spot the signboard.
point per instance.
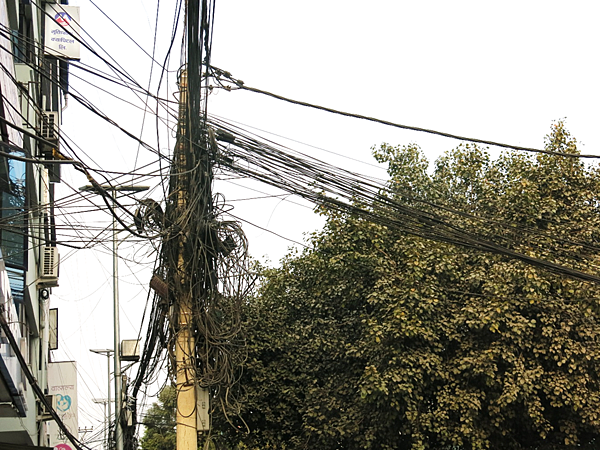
(62, 384)
(62, 31)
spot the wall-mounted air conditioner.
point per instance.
(49, 126)
(49, 130)
(43, 411)
(49, 266)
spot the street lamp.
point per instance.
(105, 401)
(117, 363)
(106, 352)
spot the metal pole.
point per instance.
(117, 341)
(107, 402)
(108, 399)
(117, 338)
(104, 402)
(106, 352)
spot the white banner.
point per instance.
(62, 31)
(62, 384)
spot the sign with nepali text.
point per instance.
(62, 31)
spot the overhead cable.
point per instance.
(34, 384)
(344, 191)
(221, 74)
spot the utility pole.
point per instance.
(190, 253)
(187, 434)
(196, 279)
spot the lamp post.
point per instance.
(117, 352)
(104, 401)
(106, 352)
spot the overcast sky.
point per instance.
(500, 72)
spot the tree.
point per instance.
(160, 422)
(379, 339)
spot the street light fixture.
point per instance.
(117, 363)
(105, 401)
(106, 352)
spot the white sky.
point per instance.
(501, 73)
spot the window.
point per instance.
(13, 222)
(23, 41)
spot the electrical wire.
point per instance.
(345, 191)
(222, 74)
(34, 385)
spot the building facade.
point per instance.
(32, 88)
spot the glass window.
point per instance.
(16, 278)
(13, 219)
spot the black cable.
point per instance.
(218, 73)
(343, 191)
(269, 231)
(229, 133)
(34, 385)
(136, 88)
(95, 110)
(82, 41)
(79, 166)
(88, 105)
(34, 136)
(128, 36)
(31, 160)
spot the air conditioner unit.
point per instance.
(44, 413)
(49, 126)
(49, 266)
(49, 130)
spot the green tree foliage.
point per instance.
(375, 339)
(160, 422)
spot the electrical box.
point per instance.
(202, 409)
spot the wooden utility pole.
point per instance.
(185, 370)
(191, 250)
